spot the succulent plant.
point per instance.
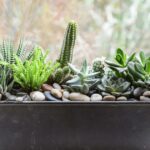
(83, 80)
(139, 71)
(122, 61)
(61, 75)
(68, 44)
(32, 73)
(98, 66)
(8, 52)
(115, 86)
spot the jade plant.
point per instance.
(121, 62)
(83, 80)
(32, 73)
(139, 71)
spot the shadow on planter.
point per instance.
(75, 126)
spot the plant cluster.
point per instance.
(118, 78)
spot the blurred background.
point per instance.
(104, 25)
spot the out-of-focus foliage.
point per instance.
(104, 24)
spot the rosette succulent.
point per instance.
(115, 86)
(83, 80)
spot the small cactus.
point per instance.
(98, 66)
(68, 44)
(60, 75)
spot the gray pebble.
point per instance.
(146, 93)
(96, 97)
(66, 94)
(122, 98)
(143, 98)
(57, 86)
(0, 96)
(109, 98)
(65, 99)
(49, 97)
(37, 96)
(56, 93)
(10, 97)
(78, 97)
(138, 92)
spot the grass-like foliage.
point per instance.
(32, 73)
(8, 51)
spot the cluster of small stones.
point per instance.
(56, 93)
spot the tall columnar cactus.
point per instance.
(68, 44)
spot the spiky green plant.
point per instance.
(60, 75)
(8, 51)
(83, 80)
(139, 71)
(7, 54)
(68, 44)
(32, 73)
(115, 86)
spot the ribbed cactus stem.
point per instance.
(58, 75)
(68, 44)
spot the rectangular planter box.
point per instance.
(75, 126)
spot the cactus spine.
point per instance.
(68, 44)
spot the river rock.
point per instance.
(49, 97)
(37, 96)
(96, 97)
(78, 97)
(138, 92)
(109, 98)
(23, 98)
(56, 93)
(146, 93)
(0, 96)
(144, 98)
(10, 97)
(57, 86)
(46, 87)
(65, 99)
(66, 94)
(122, 98)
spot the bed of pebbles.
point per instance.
(56, 93)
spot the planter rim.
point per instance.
(76, 102)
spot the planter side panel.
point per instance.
(74, 127)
